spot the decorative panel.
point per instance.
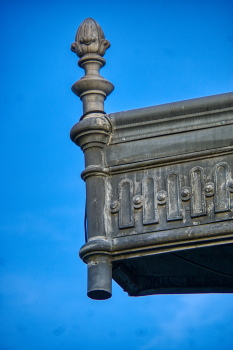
(171, 197)
(198, 200)
(222, 195)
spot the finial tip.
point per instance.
(90, 39)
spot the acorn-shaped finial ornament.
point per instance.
(90, 39)
(90, 45)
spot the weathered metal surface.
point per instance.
(202, 270)
(91, 134)
(178, 195)
(159, 187)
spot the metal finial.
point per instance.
(90, 39)
(90, 45)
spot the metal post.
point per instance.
(91, 134)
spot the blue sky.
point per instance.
(161, 51)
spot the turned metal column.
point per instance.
(92, 133)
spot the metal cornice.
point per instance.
(168, 110)
(171, 118)
(117, 169)
(172, 240)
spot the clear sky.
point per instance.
(161, 51)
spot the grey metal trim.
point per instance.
(170, 240)
(194, 114)
(186, 157)
(174, 109)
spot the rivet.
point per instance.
(123, 139)
(223, 122)
(161, 196)
(209, 188)
(185, 192)
(137, 200)
(113, 205)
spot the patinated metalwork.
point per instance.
(159, 187)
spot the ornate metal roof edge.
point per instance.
(173, 109)
(122, 220)
(163, 241)
(169, 160)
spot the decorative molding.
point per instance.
(126, 210)
(94, 170)
(198, 199)
(172, 240)
(172, 196)
(94, 247)
(91, 130)
(174, 208)
(150, 205)
(180, 158)
(222, 179)
(166, 119)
